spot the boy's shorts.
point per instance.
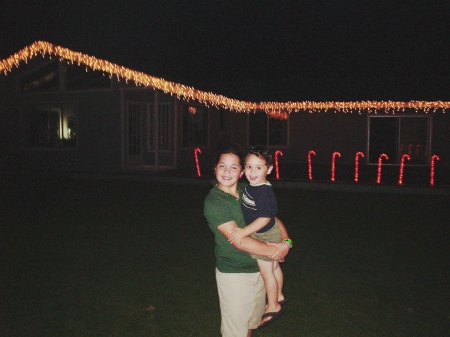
(272, 235)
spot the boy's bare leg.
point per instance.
(280, 279)
(271, 285)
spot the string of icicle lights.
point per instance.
(275, 109)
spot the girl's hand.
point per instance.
(281, 251)
(236, 236)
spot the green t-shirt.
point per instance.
(221, 207)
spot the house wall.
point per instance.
(441, 147)
(101, 138)
(98, 121)
(10, 140)
(98, 134)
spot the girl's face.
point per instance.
(228, 170)
(256, 169)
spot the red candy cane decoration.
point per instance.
(433, 158)
(379, 166)
(358, 154)
(402, 165)
(333, 164)
(309, 164)
(196, 152)
(277, 173)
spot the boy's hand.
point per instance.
(236, 236)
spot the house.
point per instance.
(67, 111)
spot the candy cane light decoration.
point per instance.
(418, 146)
(196, 152)
(402, 165)
(358, 154)
(310, 153)
(333, 164)
(277, 172)
(433, 158)
(380, 159)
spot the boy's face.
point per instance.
(256, 169)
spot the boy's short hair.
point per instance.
(263, 153)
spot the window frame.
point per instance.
(399, 150)
(61, 107)
(154, 127)
(268, 133)
(205, 125)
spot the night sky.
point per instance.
(255, 50)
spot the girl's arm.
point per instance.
(275, 251)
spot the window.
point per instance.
(163, 134)
(134, 129)
(45, 78)
(224, 120)
(195, 125)
(51, 125)
(60, 75)
(79, 78)
(395, 136)
(267, 131)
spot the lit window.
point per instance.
(51, 125)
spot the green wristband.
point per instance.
(288, 241)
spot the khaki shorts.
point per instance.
(272, 235)
(242, 299)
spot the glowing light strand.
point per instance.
(279, 110)
(433, 158)
(402, 165)
(380, 159)
(358, 154)
(310, 153)
(277, 172)
(333, 164)
(197, 165)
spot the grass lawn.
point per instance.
(84, 257)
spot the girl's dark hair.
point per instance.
(232, 148)
(263, 153)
